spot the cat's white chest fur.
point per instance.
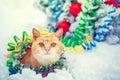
(46, 59)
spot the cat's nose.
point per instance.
(47, 49)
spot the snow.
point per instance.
(101, 63)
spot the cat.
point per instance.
(45, 49)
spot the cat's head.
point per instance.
(47, 48)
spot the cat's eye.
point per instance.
(41, 44)
(53, 44)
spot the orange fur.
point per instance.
(40, 54)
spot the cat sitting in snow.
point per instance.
(45, 49)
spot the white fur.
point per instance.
(46, 58)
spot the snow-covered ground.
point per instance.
(102, 63)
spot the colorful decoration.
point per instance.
(55, 8)
(115, 3)
(104, 28)
(44, 71)
(75, 9)
(85, 19)
(83, 30)
(64, 25)
(84, 15)
(19, 48)
(17, 52)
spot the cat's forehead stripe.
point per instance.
(46, 36)
(47, 40)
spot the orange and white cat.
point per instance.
(46, 49)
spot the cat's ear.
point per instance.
(35, 33)
(59, 33)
